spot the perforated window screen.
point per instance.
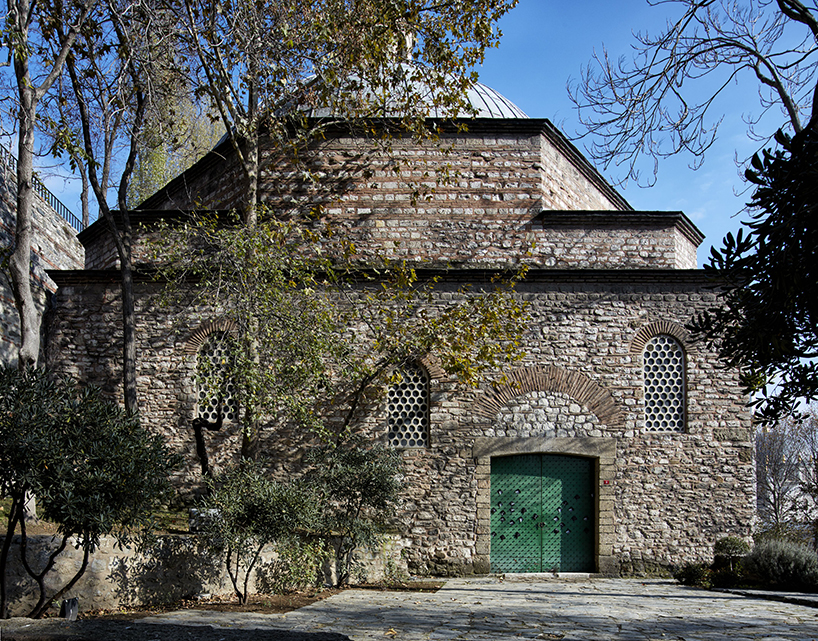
(664, 368)
(213, 379)
(408, 409)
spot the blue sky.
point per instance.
(546, 42)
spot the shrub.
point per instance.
(694, 574)
(728, 553)
(93, 469)
(247, 510)
(359, 488)
(726, 577)
(297, 566)
(783, 564)
(731, 547)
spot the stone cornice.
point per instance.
(551, 218)
(646, 277)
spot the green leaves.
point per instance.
(768, 275)
(246, 510)
(312, 326)
(93, 469)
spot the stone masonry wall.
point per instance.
(553, 239)
(170, 569)
(670, 495)
(55, 246)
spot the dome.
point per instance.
(486, 102)
(492, 104)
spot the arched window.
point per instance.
(214, 368)
(664, 368)
(408, 409)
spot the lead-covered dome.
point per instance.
(486, 102)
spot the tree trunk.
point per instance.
(20, 260)
(14, 517)
(128, 326)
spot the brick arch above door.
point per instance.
(549, 378)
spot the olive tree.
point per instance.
(94, 470)
(244, 511)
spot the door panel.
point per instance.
(542, 513)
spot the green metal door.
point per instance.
(542, 513)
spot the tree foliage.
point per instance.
(37, 66)
(93, 469)
(344, 501)
(649, 106)
(257, 62)
(769, 279)
(245, 510)
(313, 327)
(359, 487)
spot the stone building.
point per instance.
(55, 247)
(618, 446)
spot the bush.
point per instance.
(783, 565)
(93, 469)
(731, 547)
(297, 566)
(726, 577)
(694, 574)
(728, 553)
(246, 510)
(359, 488)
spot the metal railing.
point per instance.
(9, 162)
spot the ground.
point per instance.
(117, 625)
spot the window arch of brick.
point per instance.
(216, 401)
(647, 332)
(407, 408)
(199, 335)
(549, 378)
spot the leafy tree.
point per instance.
(117, 71)
(245, 510)
(176, 134)
(315, 329)
(645, 106)
(36, 68)
(266, 70)
(769, 281)
(94, 470)
(257, 62)
(359, 487)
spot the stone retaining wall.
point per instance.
(55, 246)
(174, 568)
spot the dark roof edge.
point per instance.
(475, 125)
(145, 217)
(647, 277)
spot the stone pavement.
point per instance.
(529, 607)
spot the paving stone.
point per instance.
(535, 608)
